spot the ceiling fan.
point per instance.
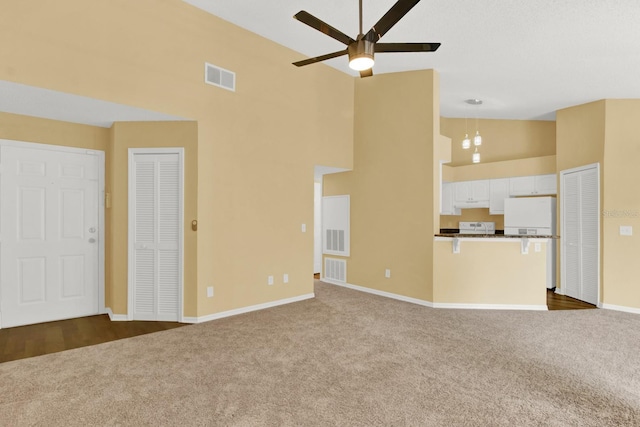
(362, 49)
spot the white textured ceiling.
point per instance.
(524, 58)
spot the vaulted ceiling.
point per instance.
(524, 58)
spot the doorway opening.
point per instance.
(319, 172)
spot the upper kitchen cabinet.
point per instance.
(499, 190)
(537, 185)
(472, 194)
(446, 203)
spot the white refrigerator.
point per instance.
(534, 216)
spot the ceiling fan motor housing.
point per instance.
(361, 49)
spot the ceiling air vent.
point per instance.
(220, 77)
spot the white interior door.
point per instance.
(581, 233)
(155, 234)
(49, 222)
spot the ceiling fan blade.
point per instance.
(390, 19)
(320, 58)
(323, 27)
(366, 73)
(406, 47)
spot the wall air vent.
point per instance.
(335, 269)
(220, 77)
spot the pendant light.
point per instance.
(477, 140)
(476, 156)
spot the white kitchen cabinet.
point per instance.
(536, 185)
(498, 191)
(469, 194)
(546, 184)
(446, 206)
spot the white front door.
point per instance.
(155, 234)
(49, 220)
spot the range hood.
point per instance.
(470, 204)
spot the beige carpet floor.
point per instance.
(344, 358)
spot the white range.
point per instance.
(478, 227)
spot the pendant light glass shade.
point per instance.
(477, 140)
(466, 142)
(476, 157)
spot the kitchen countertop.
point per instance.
(493, 236)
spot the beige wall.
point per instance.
(392, 183)
(43, 131)
(621, 204)
(256, 146)
(501, 139)
(580, 135)
(503, 169)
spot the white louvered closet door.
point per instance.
(157, 237)
(580, 234)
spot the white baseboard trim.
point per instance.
(116, 317)
(620, 308)
(249, 309)
(491, 306)
(380, 293)
(436, 304)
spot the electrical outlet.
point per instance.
(285, 278)
(270, 280)
(626, 230)
(387, 273)
(537, 247)
(209, 291)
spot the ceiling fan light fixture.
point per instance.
(361, 55)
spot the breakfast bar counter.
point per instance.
(490, 271)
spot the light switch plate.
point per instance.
(304, 228)
(387, 273)
(285, 278)
(270, 280)
(209, 291)
(626, 230)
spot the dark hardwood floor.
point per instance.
(562, 302)
(44, 338)
(34, 340)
